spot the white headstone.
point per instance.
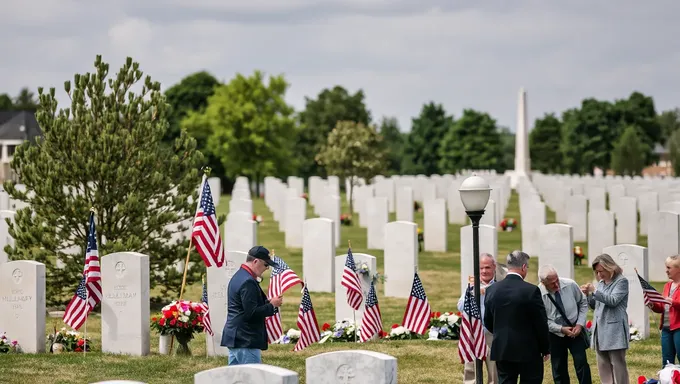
(376, 207)
(435, 225)
(22, 303)
(296, 212)
(5, 237)
(533, 217)
(240, 232)
(330, 209)
(126, 304)
(600, 232)
(351, 366)
(318, 254)
(489, 217)
(557, 248)
(404, 204)
(577, 208)
(241, 205)
(218, 281)
(247, 374)
(401, 257)
(342, 309)
(488, 243)
(663, 241)
(629, 257)
(625, 211)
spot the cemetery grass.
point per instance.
(419, 361)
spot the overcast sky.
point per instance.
(403, 53)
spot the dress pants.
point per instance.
(559, 359)
(528, 372)
(492, 374)
(612, 366)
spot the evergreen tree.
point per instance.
(628, 156)
(104, 151)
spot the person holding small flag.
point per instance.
(244, 332)
(611, 337)
(668, 306)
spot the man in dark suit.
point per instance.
(516, 316)
(244, 331)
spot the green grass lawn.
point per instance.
(418, 361)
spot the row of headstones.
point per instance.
(555, 246)
(350, 366)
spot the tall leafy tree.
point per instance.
(104, 151)
(353, 151)
(393, 140)
(674, 151)
(507, 149)
(422, 145)
(248, 126)
(628, 156)
(25, 100)
(544, 144)
(639, 111)
(319, 117)
(190, 94)
(6, 103)
(669, 122)
(473, 142)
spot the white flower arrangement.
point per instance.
(363, 269)
(290, 337)
(634, 334)
(399, 332)
(342, 331)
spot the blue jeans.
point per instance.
(670, 346)
(244, 356)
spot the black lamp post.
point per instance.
(474, 193)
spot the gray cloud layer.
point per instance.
(402, 53)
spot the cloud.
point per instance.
(402, 53)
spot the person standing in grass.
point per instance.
(611, 335)
(487, 268)
(244, 332)
(670, 313)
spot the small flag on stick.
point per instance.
(650, 294)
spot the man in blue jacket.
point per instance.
(244, 331)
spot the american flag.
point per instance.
(306, 322)
(650, 294)
(417, 315)
(371, 322)
(206, 232)
(282, 278)
(206, 311)
(472, 343)
(89, 291)
(350, 280)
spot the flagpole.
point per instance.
(354, 312)
(87, 302)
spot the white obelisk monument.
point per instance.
(522, 161)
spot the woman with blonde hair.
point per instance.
(670, 313)
(610, 321)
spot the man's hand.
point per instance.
(566, 331)
(276, 301)
(669, 300)
(546, 357)
(576, 330)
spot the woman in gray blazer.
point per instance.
(610, 326)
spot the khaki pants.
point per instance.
(612, 366)
(491, 373)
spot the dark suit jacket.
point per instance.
(248, 306)
(515, 315)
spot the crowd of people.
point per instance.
(526, 325)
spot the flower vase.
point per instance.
(182, 346)
(164, 344)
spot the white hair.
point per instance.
(545, 271)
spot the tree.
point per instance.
(25, 101)
(423, 142)
(248, 126)
(104, 151)
(628, 157)
(544, 144)
(393, 141)
(473, 142)
(674, 151)
(6, 102)
(190, 94)
(669, 122)
(353, 150)
(507, 149)
(319, 117)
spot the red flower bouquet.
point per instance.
(180, 318)
(508, 224)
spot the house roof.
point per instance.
(660, 149)
(11, 123)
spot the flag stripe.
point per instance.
(205, 234)
(417, 314)
(472, 342)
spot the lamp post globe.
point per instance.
(474, 193)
